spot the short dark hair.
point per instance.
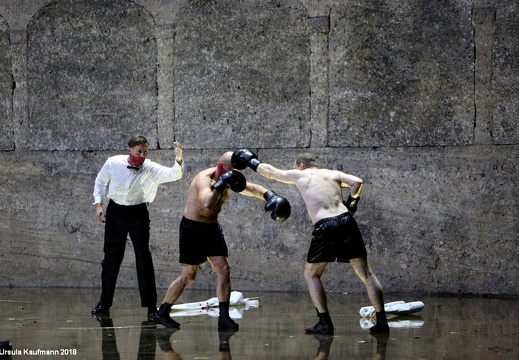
(307, 159)
(137, 140)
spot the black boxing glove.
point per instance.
(231, 179)
(244, 157)
(278, 205)
(351, 204)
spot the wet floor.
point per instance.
(56, 324)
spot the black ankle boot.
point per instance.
(100, 309)
(151, 312)
(224, 320)
(226, 323)
(324, 326)
(162, 316)
(381, 326)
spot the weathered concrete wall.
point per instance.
(398, 70)
(418, 98)
(241, 74)
(92, 74)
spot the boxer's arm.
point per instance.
(278, 206)
(205, 194)
(352, 182)
(232, 179)
(284, 176)
(254, 190)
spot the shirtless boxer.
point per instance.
(201, 237)
(336, 236)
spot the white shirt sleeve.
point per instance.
(161, 174)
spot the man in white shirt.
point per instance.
(130, 182)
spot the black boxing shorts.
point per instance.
(198, 240)
(336, 238)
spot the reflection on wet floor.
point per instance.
(40, 322)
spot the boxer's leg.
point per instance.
(374, 289)
(222, 269)
(223, 291)
(175, 289)
(313, 273)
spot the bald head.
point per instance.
(225, 160)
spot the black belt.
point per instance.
(127, 206)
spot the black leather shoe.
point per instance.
(151, 313)
(320, 328)
(100, 310)
(164, 319)
(226, 323)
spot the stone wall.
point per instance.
(418, 98)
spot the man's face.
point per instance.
(138, 154)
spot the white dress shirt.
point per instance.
(132, 187)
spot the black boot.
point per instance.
(324, 326)
(151, 312)
(224, 320)
(381, 326)
(100, 309)
(162, 316)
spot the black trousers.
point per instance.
(120, 221)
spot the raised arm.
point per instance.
(179, 150)
(284, 176)
(352, 182)
(245, 157)
(203, 192)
